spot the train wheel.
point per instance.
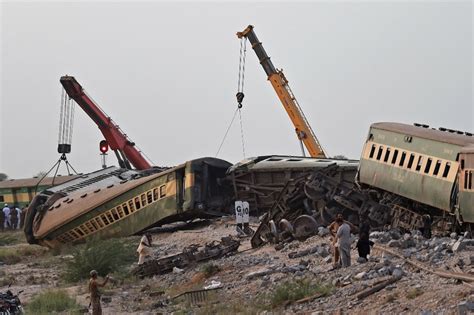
(305, 226)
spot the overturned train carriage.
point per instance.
(118, 202)
(421, 171)
(260, 180)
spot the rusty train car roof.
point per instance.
(426, 133)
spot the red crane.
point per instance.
(124, 148)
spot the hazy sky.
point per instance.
(167, 74)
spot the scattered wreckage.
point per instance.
(190, 255)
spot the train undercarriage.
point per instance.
(310, 202)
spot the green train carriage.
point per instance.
(117, 202)
(422, 165)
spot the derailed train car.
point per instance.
(423, 172)
(119, 202)
(260, 180)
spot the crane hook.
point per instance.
(240, 97)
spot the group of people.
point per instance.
(341, 233)
(12, 217)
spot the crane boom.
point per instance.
(286, 96)
(118, 141)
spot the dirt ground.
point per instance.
(251, 275)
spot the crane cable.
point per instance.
(66, 119)
(240, 96)
(240, 87)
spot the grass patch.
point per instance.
(105, 256)
(210, 269)
(391, 298)
(53, 301)
(15, 254)
(413, 293)
(291, 291)
(12, 238)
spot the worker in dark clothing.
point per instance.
(364, 225)
(14, 218)
(363, 245)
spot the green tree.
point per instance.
(3, 176)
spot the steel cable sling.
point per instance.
(240, 96)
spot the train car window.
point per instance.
(466, 179)
(470, 180)
(149, 196)
(1, 198)
(105, 219)
(125, 208)
(428, 165)
(394, 157)
(372, 151)
(420, 162)
(162, 191)
(99, 222)
(120, 211)
(462, 164)
(138, 205)
(115, 214)
(402, 159)
(155, 194)
(379, 153)
(437, 167)
(131, 205)
(446, 169)
(387, 155)
(144, 200)
(410, 160)
(109, 216)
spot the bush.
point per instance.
(210, 269)
(15, 254)
(291, 291)
(52, 301)
(105, 256)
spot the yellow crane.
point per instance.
(279, 82)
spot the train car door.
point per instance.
(180, 188)
(466, 184)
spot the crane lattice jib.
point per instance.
(116, 138)
(303, 130)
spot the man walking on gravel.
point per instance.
(344, 242)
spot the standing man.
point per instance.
(6, 213)
(14, 217)
(95, 293)
(144, 248)
(333, 228)
(344, 242)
